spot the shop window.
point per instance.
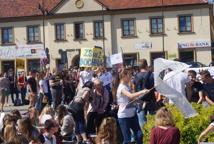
(130, 59)
(34, 65)
(186, 56)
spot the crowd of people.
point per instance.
(83, 106)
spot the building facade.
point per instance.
(171, 29)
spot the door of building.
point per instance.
(186, 56)
(154, 55)
(6, 65)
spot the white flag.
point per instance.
(162, 84)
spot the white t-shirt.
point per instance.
(52, 141)
(44, 85)
(84, 77)
(122, 101)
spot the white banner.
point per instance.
(22, 51)
(164, 83)
(116, 58)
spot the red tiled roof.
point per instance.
(20, 8)
(131, 4)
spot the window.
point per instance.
(185, 24)
(79, 31)
(128, 28)
(156, 25)
(7, 35)
(60, 32)
(98, 29)
(33, 34)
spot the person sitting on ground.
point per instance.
(66, 122)
(164, 131)
(50, 129)
(47, 113)
(107, 133)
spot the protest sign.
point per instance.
(116, 58)
(91, 57)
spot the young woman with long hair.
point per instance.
(127, 116)
(107, 133)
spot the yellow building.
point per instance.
(143, 29)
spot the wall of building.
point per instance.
(201, 26)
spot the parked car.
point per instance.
(196, 64)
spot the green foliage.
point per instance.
(190, 128)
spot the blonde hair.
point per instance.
(47, 110)
(9, 132)
(107, 131)
(164, 117)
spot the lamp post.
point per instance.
(162, 15)
(103, 36)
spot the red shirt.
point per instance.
(170, 135)
(21, 81)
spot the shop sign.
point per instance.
(194, 44)
(22, 51)
(91, 57)
(143, 45)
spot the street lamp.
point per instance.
(162, 15)
(42, 9)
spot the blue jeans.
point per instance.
(142, 118)
(128, 124)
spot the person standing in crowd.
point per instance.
(97, 107)
(107, 133)
(85, 76)
(164, 131)
(13, 86)
(78, 107)
(4, 85)
(208, 84)
(56, 88)
(194, 89)
(67, 89)
(22, 86)
(43, 91)
(32, 88)
(47, 79)
(127, 116)
(144, 79)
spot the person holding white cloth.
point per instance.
(127, 116)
